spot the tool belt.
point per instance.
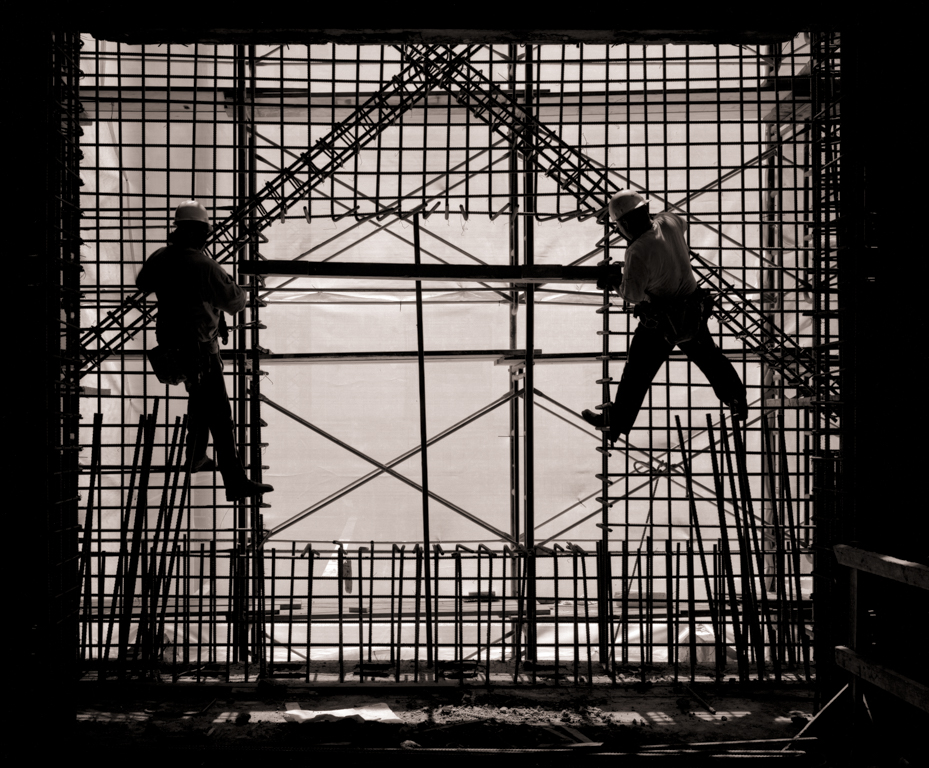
(680, 319)
(179, 364)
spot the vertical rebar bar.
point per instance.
(691, 611)
(86, 536)
(340, 554)
(418, 552)
(423, 436)
(740, 647)
(399, 651)
(529, 389)
(756, 544)
(749, 599)
(118, 593)
(136, 541)
(310, 574)
(695, 523)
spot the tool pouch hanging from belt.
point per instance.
(679, 319)
(173, 364)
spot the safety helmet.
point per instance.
(625, 201)
(191, 210)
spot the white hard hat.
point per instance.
(191, 210)
(625, 201)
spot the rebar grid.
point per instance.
(349, 143)
(364, 613)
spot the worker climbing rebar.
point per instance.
(657, 278)
(193, 291)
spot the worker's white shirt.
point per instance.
(658, 262)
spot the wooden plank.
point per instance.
(902, 687)
(914, 574)
(536, 273)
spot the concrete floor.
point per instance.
(190, 721)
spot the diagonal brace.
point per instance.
(385, 468)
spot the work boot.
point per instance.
(596, 421)
(206, 464)
(739, 409)
(246, 488)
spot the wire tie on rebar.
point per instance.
(588, 215)
(365, 217)
(387, 211)
(495, 215)
(427, 214)
(412, 212)
(352, 212)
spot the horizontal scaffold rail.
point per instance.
(538, 273)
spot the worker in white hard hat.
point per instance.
(192, 292)
(657, 278)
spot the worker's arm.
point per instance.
(635, 279)
(143, 282)
(681, 222)
(147, 279)
(221, 290)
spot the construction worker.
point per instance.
(672, 311)
(193, 291)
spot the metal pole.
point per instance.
(241, 605)
(514, 311)
(423, 436)
(250, 394)
(528, 247)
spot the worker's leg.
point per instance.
(218, 413)
(648, 351)
(726, 383)
(198, 426)
(216, 401)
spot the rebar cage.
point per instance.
(518, 547)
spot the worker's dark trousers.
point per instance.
(209, 412)
(648, 352)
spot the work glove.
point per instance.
(223, 328)
(612, 277)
